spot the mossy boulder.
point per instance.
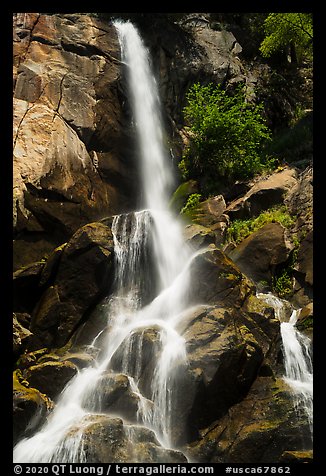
(181, 194)
(30, 358)
(50, 377)
(260, 253)
(305, 318)
(210, 214)
(216, 279)
(223, 358)
(30, 407)
(259, 429)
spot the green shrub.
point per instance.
(282, 285)
(292, 31)
(226, 135)
(240, 229)
(192, 201)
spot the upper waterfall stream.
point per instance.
(150, 235)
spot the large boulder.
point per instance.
(115, 395)
(258, 255)
(30, 408)
(264, 193)
(144, 344)
(108, 440)
(50, 378)
(210, 214)
(84, 274)
(198, 236)
(260, 429)
(225, 349)
(215, 278)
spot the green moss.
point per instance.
(236, 278)
(181, 195)
(19, 383)
(30, 358)
(22, 388)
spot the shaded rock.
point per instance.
(23, 339)
(216, 278)
(115, 395)
(264, 194)
(300, 202)
(50, 377)
(30, 407)
(303, 274)
(259, 253)
(107, 440)
(20, 336)
(145, 345)
(223, 358)
(50, 311)
(26, 287)
(51, 266)
(83, 275)
(257, 430)
(304, 264)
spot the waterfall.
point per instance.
(298, 366)
(150, 289)
(296, 348)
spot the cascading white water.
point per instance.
(298, 366)
(153, 231)
(296, 349)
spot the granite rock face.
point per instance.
(72, 144)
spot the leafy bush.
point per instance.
(192, 201)
(282, 285)
(240, 229)
(288, 31)
(226, 135)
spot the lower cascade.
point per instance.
(296, 348)
(61, 438)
